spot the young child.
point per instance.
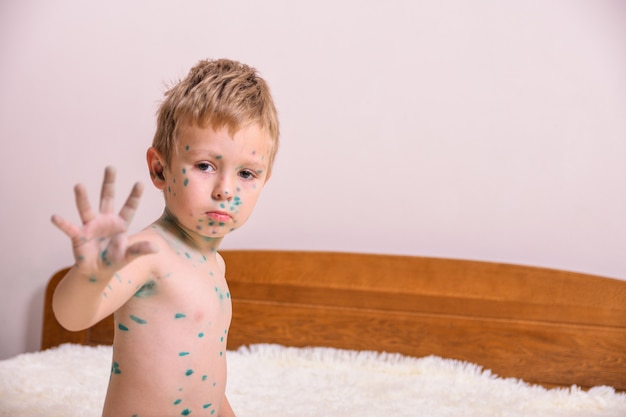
(212, 154)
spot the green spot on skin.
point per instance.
(189, 372)
(184, 170)
(186, 147)
(93, 279)
(137, 319)
(201, 335)
(186, 182)
(122, 327)
(178, 401)
(206, 405)
(115, 368)
(118, 277)
(219, 156)
(185, 412)
(204, 377)
(179, 316)
(183, 354)
(103, 257)
(146, 290)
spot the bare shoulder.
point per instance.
(220, 263)
(148, 265)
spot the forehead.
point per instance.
(251, 138)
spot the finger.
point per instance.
(82, 204)
(107, 194)
(66, 227)
(132, 202)
(139, 249)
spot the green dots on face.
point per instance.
(189, 372)
(200, 335)
(178, 401)
(183, 354)
(185, 412)
(179, 316)
(186, 182)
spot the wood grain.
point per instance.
(544, 326)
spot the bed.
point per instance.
(558, 336)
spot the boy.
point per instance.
(217, 134)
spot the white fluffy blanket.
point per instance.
(271, 380)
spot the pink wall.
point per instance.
(485, 130)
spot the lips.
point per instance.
(218, 216)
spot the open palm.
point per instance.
(100, 244)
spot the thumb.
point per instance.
(139, 249)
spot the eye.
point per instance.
(247, 174)
(205, 167)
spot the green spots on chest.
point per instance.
(146, 290)
(179, 316)
(183, 354)
(189, 372)
(185, 412)
(137, 320)
(122, 327)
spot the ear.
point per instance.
(156, 166)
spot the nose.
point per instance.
(222, 190)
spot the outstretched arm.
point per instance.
(100, 247)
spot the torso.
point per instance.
(170, 339)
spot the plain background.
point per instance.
(486, 129)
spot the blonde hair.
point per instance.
(216, 93)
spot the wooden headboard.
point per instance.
(545, 326)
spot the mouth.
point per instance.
(218, 216)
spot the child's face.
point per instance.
(214, 179)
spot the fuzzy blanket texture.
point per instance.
(272, 380)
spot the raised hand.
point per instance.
(100, 245)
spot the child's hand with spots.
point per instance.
(100, 246)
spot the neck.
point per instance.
(204, 244)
